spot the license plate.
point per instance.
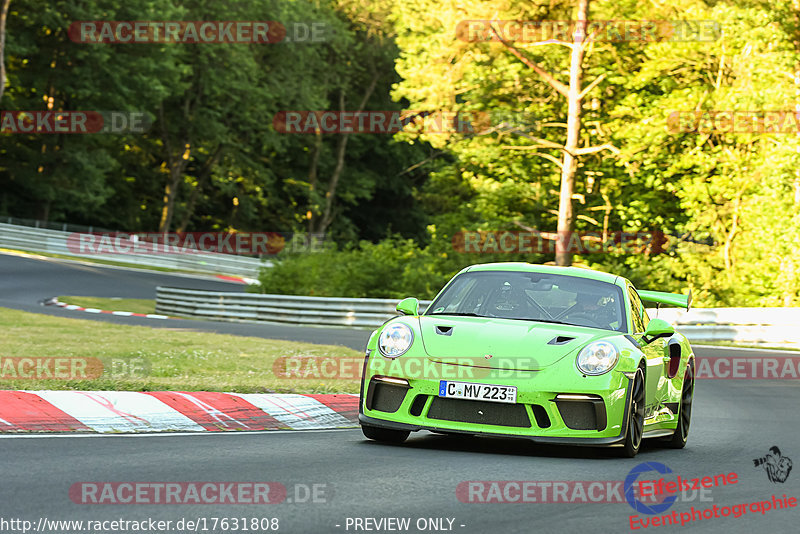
(484, 392)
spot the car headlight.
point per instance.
(395, 340)
(597, 358)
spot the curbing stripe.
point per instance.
(172, 411)
(55, 302)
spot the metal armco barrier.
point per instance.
(774, 326)
(290, 309)
(742, 325)
(55, 242)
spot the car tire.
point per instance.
(635, 423)
(386, 435)
(678, 439)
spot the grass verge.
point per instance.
(138, 358)
(113, 304)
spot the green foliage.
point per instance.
(213, 149)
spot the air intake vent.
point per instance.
(560, 340)
(385, 397)
(480, 412)
(418, 405)
(444, 330)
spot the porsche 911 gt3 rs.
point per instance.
(560, 355)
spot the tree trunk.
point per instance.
(202, 178)
(312, 180)
(3, 17)
(341, 149)
(569, 166)
(176, 165)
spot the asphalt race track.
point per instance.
(734, 422)
(25, 282)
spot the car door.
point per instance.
(655, 351)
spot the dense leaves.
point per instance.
(212, 160)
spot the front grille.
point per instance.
(385, 397)
(480, 412)
(583, 415)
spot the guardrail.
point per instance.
(742, 325)
(289, 309)
(56, 242)
(757, 326)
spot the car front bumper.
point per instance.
(554, 405)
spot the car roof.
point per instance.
(579, 272)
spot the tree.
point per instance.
(3, 17)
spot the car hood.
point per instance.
(501, 343)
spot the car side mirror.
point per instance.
(408, 306)
(657, 328)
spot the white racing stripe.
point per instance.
(119, 411)
(297, 411)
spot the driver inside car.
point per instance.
(511, 302)
(590, 310)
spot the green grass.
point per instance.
(172, 359)
(113, 304)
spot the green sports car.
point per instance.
(553, 354)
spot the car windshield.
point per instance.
(543, 297)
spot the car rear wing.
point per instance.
(668, 299)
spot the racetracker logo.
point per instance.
(71, 368)
(409, 367)
(199, 493)
(560, 491)
(391, 122)
(177, 492)
(50, 368)
(192, 32)
(237, 243)
(535, 242)
(740, 367)
(613, 31)
(734, 122)
(74, 122)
